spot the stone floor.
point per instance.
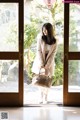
(32, 94)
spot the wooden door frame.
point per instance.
(66, 46)
(69, 98)
(15, 99)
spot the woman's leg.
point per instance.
(45, 95)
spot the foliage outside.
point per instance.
(30, 36)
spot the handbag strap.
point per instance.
(40, 71)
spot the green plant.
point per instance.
(58, 75)
(30, 33)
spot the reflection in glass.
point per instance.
(9, 75)
(9, 27)
(74, 29)
(74, 76)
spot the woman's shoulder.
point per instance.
(56, 40)
(56, 43)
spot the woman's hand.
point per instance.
(46, 67)
(42, 67)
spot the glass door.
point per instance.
(72, 54)
(11, 52)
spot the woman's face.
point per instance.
(45, 31)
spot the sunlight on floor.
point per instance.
(43, 113)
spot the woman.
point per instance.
(46, 50)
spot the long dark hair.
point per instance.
(49, 39)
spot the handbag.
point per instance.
(43, 80)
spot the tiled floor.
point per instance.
(43, 113)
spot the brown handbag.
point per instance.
(43, 80)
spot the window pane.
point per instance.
(74, 76)
(9, 75)
(74, 29)
(9, 27)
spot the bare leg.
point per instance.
(45, 95)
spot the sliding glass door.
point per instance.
(72, 54)
(11, 52)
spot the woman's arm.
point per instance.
(39, 52)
